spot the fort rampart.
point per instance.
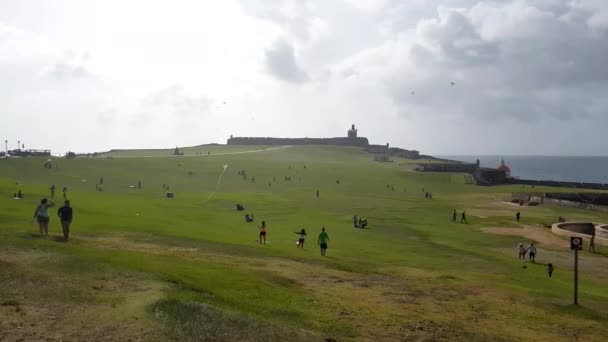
(359, 141)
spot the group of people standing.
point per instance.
(463, 216)
(358, 222)
(65, 213)
(323, 239)
(263, 231)
(530, 250)
(64, 191)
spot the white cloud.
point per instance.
(296, 18)
(281, 62)
(522, 70)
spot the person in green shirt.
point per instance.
(323, 239)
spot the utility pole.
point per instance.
(576, 244)
(6, 147)
(575, 277)
(18, 144)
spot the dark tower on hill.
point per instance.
(352, 132)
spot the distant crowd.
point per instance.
(65, 214)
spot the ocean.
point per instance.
(556, 168)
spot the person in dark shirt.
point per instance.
(65, 214)
(463, 217)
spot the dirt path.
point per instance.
(553, 249)
(542, 235)
(207, 155)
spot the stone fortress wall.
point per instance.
(351, 139)
(357, 141)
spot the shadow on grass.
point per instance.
(30, 236)
(600, 253)
(191, 321)
(59, 239)
(580, 311)
(37, 236)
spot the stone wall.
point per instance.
(582, 197)
(584, 230)
(377, 149)
(527, 197)
(576, 185)
(359, 142)
(447, 167)
(401, 153)
(601, 231)
(393, 151)
(578, 205)
(487, 176)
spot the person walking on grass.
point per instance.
(521, 251)
(518, 216)
(41, 214)
(454, 216)
(262, 229)
(53, 191)
(532, 252)
(463, 217)
(302, 238)
(323, 239)
(550, 269)
(65, 215)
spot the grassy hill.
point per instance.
(143, 267)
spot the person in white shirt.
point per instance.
(521, 251)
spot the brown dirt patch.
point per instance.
(541, 235)
(43, 304)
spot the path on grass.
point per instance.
(542, 235)
(207, 155)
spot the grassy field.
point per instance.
(141, 267)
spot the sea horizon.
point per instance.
(588, 169)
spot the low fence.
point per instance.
(584, 230)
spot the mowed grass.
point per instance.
(413, 275)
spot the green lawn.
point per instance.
(190, 268)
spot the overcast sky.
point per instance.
(529, 77)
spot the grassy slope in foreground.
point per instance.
(155, 268)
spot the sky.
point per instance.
(439, 76)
